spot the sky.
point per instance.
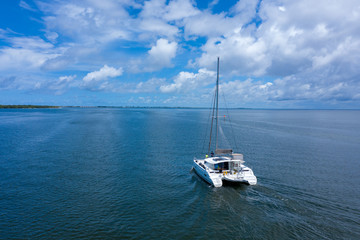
(273, 53)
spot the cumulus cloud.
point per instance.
(61, 84)
(89, 22)
(157, 27)
(304, 49)
(299, 39)
(240, 54)
(161, 54)
(103, 74)
(154, 8)
(209, 25)
(314, 53)
(290, 90)
(246, 91)
(152, 85)
(26, 53)
(180, 9)
(186, 81)
(161, 19)
(246, 10)
(24, 59)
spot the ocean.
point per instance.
(122, 173)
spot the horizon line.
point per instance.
(29, 106)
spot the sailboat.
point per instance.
(224, 165)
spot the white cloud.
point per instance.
(246, 10)
(314, 52)
(296, 38)
(66, 79)
(156, 27)
(89, 22)
(51, 36)
(152, 85)
(180, 9)
(213, 3)
(159, 19)
(26, 53)
(240, 54)
(26, 6)
(244, 92)
(154, 8)
(312, 49)
(209, 25)
(161, 54)
(30, 81)
(175, 10)
(22, 59)
(61, 85)
(288, 90)
(29, 43)
(335, 56)
(92, 22)
(103, 74)
(186, 81)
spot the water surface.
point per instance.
(107, 173)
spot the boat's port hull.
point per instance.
(210, 178)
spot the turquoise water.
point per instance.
(106, 173)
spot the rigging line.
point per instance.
(207, 126)
(232, 129)
(224, 143)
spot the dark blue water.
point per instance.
(106, 173)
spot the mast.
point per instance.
(212, 122)
(215, 114)
(215, 110)
(217, 103)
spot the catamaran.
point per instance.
(224, 165)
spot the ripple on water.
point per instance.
(117, 173)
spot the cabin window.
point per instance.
(221, 166)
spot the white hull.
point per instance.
(241, 177)
(216, 178)
(212, 178)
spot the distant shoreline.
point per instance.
(144, 107)
(148, 107)
(28, 106)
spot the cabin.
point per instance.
(224, 163)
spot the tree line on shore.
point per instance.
(27, 106)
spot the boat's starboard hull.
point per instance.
(251, 180)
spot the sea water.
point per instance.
(105, 173)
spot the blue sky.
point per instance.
(273, 54)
